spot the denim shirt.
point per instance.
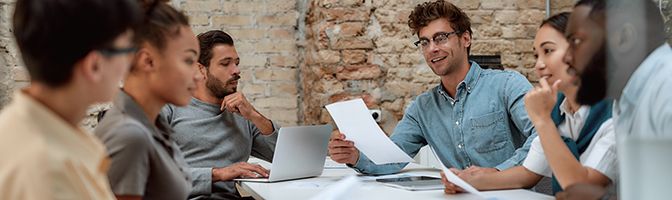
(483, 126)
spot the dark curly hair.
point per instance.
(427, 12)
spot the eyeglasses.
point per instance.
(112, 51)
(439, 39)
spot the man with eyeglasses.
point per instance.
(474, 117)
(76, 52)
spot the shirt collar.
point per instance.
(45, 116)
(581, 113)
(469, 81)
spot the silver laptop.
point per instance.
(300, 152)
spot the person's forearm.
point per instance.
(512, 178)
(264, 124)
(566, 168)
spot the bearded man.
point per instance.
(220, 129)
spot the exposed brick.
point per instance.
(354, 56)
(519, 31)
(201, 5)
(480, 16)
(392, 15)
(350, 29)
(466, 4)
(253, 60)
(353, 43)
(225, 21)
(275, 46)
(240, 7)
(199, 19)
(276, 102)
(284, 89)
(285, 117)
(328, 57)
(400, 88)
(533, 4)
(507, 16)
(393, 44)
(284, 61)
(246, 74)
(247, 33)
(280, 33)
(346, 14)
(527, 60)
(340, 3)
(285, 19)
(254, 89)
(532, 17)
(276, 74)
(499, 4)
(359, 72)
(276, 6)
(491, 47)
(486, 32)
(523, 46)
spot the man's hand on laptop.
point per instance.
(239, 170)
(341, 150)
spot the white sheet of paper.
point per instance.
(338, 190)
(459, 182)
(453, 178)
(354, 120)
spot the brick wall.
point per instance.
(298, 55)
(266, 37)
(363, 48)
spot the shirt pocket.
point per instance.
(489, 132)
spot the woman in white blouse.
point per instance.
(576, 143)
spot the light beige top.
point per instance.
(43, 157)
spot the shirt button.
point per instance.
(457, 123)
(459, 145)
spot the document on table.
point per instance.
(453, 178)
(339, 190)
(354, 120)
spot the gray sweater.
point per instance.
(210, 138)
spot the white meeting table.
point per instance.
(310, 187)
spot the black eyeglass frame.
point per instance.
(445, 34)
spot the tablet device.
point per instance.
(413, 183)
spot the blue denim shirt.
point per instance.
(482, 126)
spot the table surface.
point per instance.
(308, 188)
